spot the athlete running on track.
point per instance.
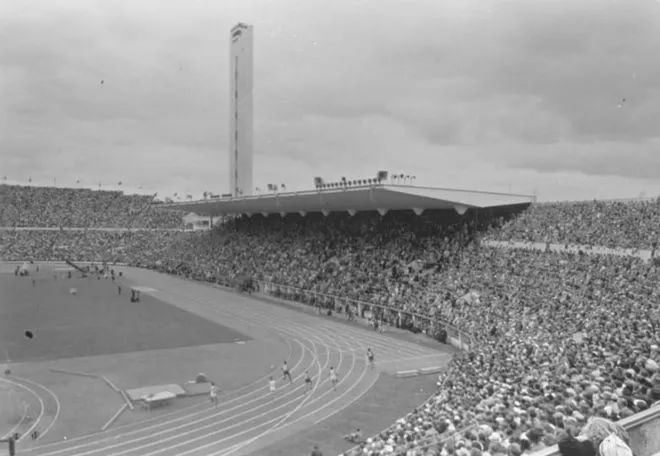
(213, 394)
(308, 382)
(370, 357)
(285, 372)
(333, 378)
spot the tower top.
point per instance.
(237, 30)
(240, 25)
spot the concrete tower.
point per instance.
(240, 116)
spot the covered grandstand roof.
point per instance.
(376, 197)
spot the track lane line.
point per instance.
(151, 435)
(248, 420)
(280, 425)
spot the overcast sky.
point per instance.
(526, 96)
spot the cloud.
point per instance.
(459, 92)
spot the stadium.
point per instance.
(317, 291)
(362, 317)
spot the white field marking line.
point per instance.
(157, 425)
(204, 410)
(366, 390)
(57, 402)
(364, 371)
(18, 425)
(369, 339)
(178, 412)
(237, 424)
(127, 400)
(232, 436)
(210, 425)
(252, 316)
(388, 349)
(115, 416)
(253, 322)
(333, 338)
(41, 404)
(326, 404)
(279, 424)
(374, 340)
(363, 333)
(172, 420)
(258, 316)
(318, 380)
(381, 342)
(286, 416)
(109, 383)
(187, 424)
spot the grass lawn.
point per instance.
(96, 321)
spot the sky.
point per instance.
(558, 98)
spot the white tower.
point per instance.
(240, 116)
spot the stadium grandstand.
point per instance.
(555, 342)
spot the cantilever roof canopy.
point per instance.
(377, 197)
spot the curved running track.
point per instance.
(251, 417)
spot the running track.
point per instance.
(251, 417)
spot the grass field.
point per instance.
(96, 321)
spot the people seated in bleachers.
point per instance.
(81, 208)
(559, 338)
(624, 224)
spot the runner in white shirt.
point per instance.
(213, 394)
(271, 384)
(333, 378)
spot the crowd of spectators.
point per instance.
(90, 245)
(612, 224)
(386, 261)
(23, 206)
(557, 338)
(560, 338)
